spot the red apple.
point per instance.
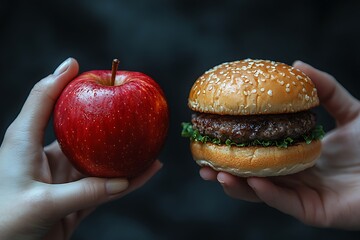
(111, 123)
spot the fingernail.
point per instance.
(298, 62)
(204, 175)
(250, 183)
(115, 186)
(160, 165)
(220, 179)
(62, 67)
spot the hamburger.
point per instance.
(254, 118)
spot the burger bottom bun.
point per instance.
(256, 161)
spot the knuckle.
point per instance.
(39, 198)
(92, 191)
(10, 132)
(16, 136)
(11, 135)
(41, 86)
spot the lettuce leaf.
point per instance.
(189, 132)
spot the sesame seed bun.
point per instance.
(253, 87)
(249, 87)
(256, 161)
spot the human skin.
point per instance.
(328, 194)
(42, 195)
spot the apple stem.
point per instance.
(115, 64)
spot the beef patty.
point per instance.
(241, 129)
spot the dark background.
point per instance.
(175, 42)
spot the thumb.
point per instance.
(37, 109)
(85, 193)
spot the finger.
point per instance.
(335, 98)
(90, 192)
(85, 193)
(208, 174)
(37, 109)
(281, 198)
(237, 187)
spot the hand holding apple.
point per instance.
(111, 123)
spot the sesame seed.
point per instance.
(269, 92)
(287, 89)
(262, 89)
(253, 91)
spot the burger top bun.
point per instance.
(249, 87)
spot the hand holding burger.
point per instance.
(253, 118)
(326, 195)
